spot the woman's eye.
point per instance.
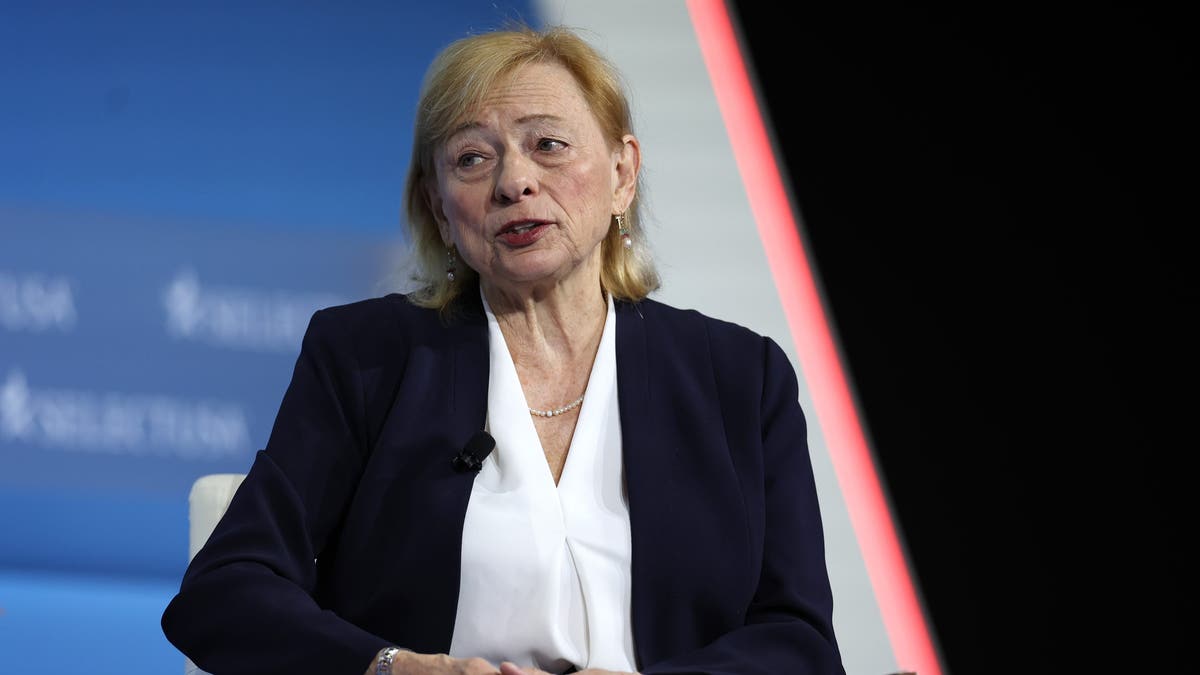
(469, 159)
(550, 145)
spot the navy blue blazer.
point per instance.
(345, 535)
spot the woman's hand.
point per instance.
(412, 663)
(507, 668)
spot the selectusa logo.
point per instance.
(117, 423)
(36, 303)
(238, 318)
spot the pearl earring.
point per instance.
(451, 263)
(623, 228)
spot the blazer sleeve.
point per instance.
(788, 625)
(247, 600)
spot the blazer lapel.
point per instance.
(450, 491)
(471, 367)
(646, 463)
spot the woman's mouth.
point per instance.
(521, 234)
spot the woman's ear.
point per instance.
(627, 162)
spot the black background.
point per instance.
(999, 204)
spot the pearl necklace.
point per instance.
(560, 410)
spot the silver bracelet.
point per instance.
(384, 665)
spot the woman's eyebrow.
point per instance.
(527, 123)
(524, 120)
(544, 117)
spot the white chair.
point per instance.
(207, 501)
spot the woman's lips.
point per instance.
(522, 236)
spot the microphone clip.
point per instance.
(471, 457)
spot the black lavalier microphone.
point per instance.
(474, 452)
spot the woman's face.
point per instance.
(527, 186)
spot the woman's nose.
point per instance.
(516, 178)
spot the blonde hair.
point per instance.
(456, 83)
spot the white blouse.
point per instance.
(545, 569)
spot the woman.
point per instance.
(649, 504)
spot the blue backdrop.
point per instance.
(181, 185)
